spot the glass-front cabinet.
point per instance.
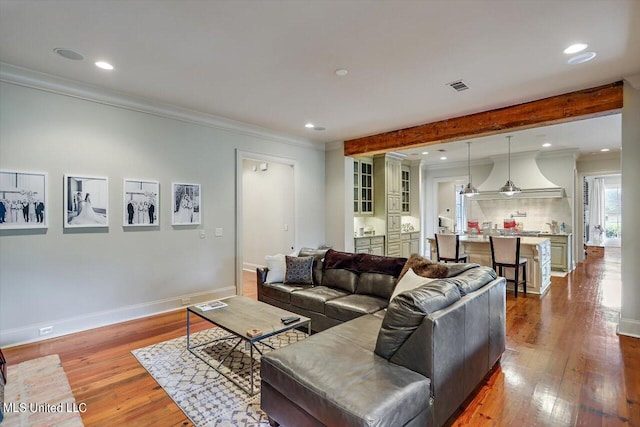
(406, 189)
(363, 186)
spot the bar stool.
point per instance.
(448, 248)
(505, 252)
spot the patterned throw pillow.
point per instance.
(299, 270)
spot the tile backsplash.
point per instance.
(539, 212)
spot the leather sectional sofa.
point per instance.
(345, 286)
(412, 364)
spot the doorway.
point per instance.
(602, 195)
(266, 220)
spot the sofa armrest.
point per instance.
(261, 277)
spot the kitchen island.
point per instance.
(537, 251)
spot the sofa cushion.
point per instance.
(380, 285)
(406, 311)
(318, 262)
(409, 281)
(425, 268)
(392, 266)
(341, 279)
(352, 306)
(282, 292)
(473, 278)
(299, 270)
(314, 299)
(340, 383)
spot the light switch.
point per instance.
(218, 232)
(286, 227)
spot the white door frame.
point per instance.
(578, 237)
(249, 155)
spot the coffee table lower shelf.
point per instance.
(249, 342)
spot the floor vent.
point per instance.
(458, 85)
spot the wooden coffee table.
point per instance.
(239, 316)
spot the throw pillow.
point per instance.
(276, 265)
(299, 270)
(425, 268)
(409, 281)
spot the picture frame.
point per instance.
(186, 204)
(86, 201)
(24, 200)
(141, 203)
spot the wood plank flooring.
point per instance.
(564, 363)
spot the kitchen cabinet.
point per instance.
(410, 243)
(561, 251)
(406, 189)
(373, 245)
(363, 196)
(388, 199)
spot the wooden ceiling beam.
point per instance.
(593, 102)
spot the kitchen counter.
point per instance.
(537, 251)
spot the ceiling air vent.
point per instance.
(458, 85)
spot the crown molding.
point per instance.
(25, 77)
(634, 81)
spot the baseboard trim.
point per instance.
(30, 333)
(249, 266)
(629, 327)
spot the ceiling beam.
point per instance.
(583, 104)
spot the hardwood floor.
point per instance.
(564, 364)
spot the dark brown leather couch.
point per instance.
(345, 286)
(412, 365)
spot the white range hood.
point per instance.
(524, 173)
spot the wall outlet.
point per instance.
(185, 301)
(46, 330)
(218, 232)
(202, 234)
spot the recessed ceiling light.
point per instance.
(69, 54)
(443, 158)
(575, 48)
(581, 58)
(341, 72)
(104, 65)
(424, 153)
(604, 150)
(309, 126)
(546, 144)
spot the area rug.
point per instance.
(203, 394)
(38, 394)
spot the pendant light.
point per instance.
(469, 190)
(509, 189)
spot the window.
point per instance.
(613, 212)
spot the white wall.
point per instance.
(630, 312)
(78, 279)
(339, 196)
(431, 176)
(268, 211)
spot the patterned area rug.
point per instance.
(204, 395)
(38, 394)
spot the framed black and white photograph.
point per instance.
(86, 201)
(23, 200)
(141, 203)
(186, 204)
